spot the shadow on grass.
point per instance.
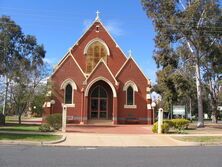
(17, 127)
(29, 137)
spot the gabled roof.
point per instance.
(97, 65)
(131, 58)
(64, 59)
(76, 43)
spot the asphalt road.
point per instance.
(39, 156)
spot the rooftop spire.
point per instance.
(97, 15)
(130, 53)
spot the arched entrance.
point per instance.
(100, 101)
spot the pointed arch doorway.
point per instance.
(100, 101)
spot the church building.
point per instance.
(96, 81)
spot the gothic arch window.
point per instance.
(68, 94)
(69, 86)
(130, 88)
(130, 96)
(94, 51)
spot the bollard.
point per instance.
(64, 113)
(160, 120)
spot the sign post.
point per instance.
(64, 113)
(160, 120)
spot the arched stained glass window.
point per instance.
(95, 52)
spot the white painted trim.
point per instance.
(122, 67)
(140, 69)
(130, 106)
(101, 61)
(69, 53)
(132, 84)
(96, 40)
(148, 89)
(77, 64)
(70, 105)
(148, 96)
(102, 79)
(60, 62)
(77, 42)
(68, 81)
(148, 80)
(112, 39)
(149, 107)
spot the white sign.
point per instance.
(178, 110)
(219, 108)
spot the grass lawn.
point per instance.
(16, 127)
(29, 137)
(200, 138)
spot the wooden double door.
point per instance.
(99, 103)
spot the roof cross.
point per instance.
(130, 52)
(97, 15)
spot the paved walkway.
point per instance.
(121, 140)
(126, 136)
(110, 129)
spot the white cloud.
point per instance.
(50, 61)
(86, 24)
(114, 27)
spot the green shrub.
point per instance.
(180, 124)
(45, 128)
(155, 127)
(165, 127)
(170, 123)
(55, 121)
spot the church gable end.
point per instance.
(101, 70)
(130, 71)
(88, 55)
(68, 69)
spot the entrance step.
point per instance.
(100, 122)
(94, 123)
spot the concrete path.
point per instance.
(110, 129)
(118, 140)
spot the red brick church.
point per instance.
(97, 81)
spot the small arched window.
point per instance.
(68, 86)
(130, 96)
(68, 94)
(130, 88)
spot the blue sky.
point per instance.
(59, 24)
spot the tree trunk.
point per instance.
(190, 107)
(200, 122)
(6, 95)
(19, 119)
(214, 111)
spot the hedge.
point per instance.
(178, 124)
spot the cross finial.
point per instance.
(130, 52)
(97, 15)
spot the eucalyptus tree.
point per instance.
(194, 25)
(21, 59)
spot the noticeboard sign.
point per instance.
(219, 108)
(178, 109)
